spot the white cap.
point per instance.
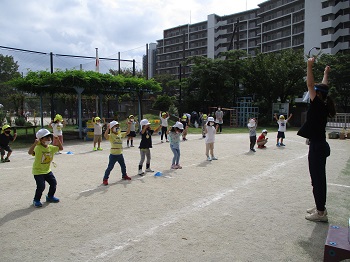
(179, 125)
(251, 123)
(264, 131)
(211, 119)
(144, 122)
(113, 123)
(42, 133)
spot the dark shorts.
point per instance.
(280, 135)
(5, 148)
(132, 134)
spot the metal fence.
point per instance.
(339, 121)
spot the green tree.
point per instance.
(213, 81)
(8, 71)
(272, 76)
(339, 77)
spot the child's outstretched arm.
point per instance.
(128, 130)
(14, 134)
(157, 129)
(325, 75)
(275, 116)
(106, 132)
(290, 116)
(31, 149)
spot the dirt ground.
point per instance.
(243, 207)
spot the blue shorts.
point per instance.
(280, 134)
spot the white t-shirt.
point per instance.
(98, 129)
(57, 128)
(164, 121)
(210, 136)
(282, 125)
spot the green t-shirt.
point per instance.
(116, 143)
(43, 158)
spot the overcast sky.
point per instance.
(77, 27)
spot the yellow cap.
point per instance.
(5, 127)
(163, 113)
(58, 117)
(97, 118)
(131, 116)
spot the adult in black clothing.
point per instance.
(314, 129)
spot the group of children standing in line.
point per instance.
(43, 151)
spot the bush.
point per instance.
(20, 121)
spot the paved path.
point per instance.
(243, 207)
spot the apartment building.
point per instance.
(274, 26)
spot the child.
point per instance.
(5, 139)
(114, 135)
(203, 120)
(210, 132)
(97, 133)
(145, 145)
(262, 139)
(185, 122)
(252, 123)
(164, 123)
(57, 124)
(282, 126)
(43, 153)
(174, 136)
(131, 121)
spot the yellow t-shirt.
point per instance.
(43, 159)
(116, 143)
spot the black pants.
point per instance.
(220, 127)
(318, 153)
(40, 185)
(252, 141)
(164, 129)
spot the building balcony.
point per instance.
(335, 9)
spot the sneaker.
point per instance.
(52, 199)
(208, 158)
(278, 144)
(99, 149)
(2, 160)
(316, 217)
(7, 160)
(37, 203)
(105, 182)
(140, 173)
(282, 144)
(126, 177)
(95, 149)
(313, 210)
(132, 146)
(252, 149)
(213, 158)
(161, 141)
(174, 167)
(167, 140)
(179, 167)
(149, 170)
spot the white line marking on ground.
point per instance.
(195, 207)
(12, 168)
(331, 184)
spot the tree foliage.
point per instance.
(339, 77)
(274, 76)
(93, 83)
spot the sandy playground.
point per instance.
(243, 207)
